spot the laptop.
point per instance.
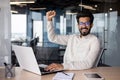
(27, 60)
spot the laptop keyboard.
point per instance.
(43, 69)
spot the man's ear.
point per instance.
(77, 25)
(91, 25)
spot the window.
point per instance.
(38, 31)
(18, 27)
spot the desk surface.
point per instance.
(109, 73)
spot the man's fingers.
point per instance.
(54, 66)
(51, 13)
(51, 67)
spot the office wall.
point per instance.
(5, 27)
(112, 55)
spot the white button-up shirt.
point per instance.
(81, 52)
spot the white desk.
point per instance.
(109, 73)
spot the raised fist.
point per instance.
(50, 15)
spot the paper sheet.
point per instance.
(62, 76)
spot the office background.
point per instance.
(33, 24)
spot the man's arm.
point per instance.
(89, 61)
(59, 39)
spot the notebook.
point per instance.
(27, 60)
(63, 76)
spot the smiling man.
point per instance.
(82, 49)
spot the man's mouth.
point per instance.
(84, 29)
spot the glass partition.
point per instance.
(106, 26)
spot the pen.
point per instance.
(65, 73)
(5, 64)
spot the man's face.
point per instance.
(84, 25)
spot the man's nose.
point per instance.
(84, 25)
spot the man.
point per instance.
(82, 49)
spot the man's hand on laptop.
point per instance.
(54, 66)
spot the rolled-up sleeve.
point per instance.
(56, 38)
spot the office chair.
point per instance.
(33, 44)
(99, 58)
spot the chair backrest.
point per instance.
(99, 57)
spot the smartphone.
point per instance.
(93, 76)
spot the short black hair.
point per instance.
(85, 13)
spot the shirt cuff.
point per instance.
(66, 66)
(49, 22)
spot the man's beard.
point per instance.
(84, 33)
